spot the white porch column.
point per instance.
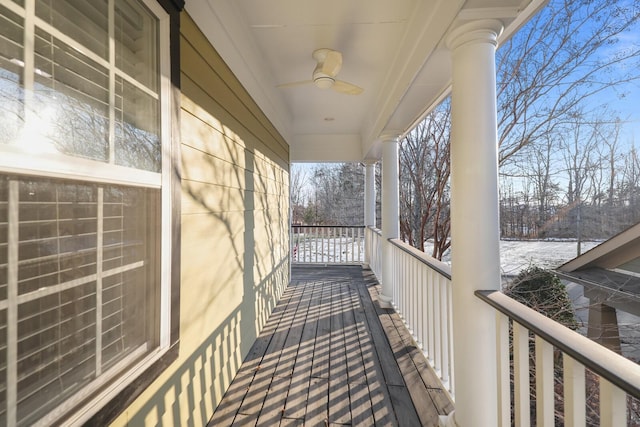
(475, 232)
(390, 213)
(370, 194)
(369, 204)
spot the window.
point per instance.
(84, 203)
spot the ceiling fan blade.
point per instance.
(346, 88)
(332, 63)
(295, 84)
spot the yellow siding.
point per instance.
(235, 240)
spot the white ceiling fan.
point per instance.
(324, 75)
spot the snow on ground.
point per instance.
(516, 255)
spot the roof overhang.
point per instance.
(394, 50)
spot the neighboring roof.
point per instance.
(617, 289)
(609, 272)
(619, 250)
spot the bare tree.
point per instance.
(559, 62)
(578, 145)
(297, 182)
(338, 191)
(424, 172)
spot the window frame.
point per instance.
(106, 400)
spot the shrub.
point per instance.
(543, 291)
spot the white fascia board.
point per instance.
(427, 28)
(326, 148)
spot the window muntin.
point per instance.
(68, 96)
(88, 286)
(11, 90)
(82, 20)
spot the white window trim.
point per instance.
(55, 165)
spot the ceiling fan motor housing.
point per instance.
(322, 80)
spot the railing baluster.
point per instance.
(305, 245)
(444, 314)
(451, 349)
(343, 253)
(431, 308)
(315, 234)
(418, 285)
(398, 281)
(574, 392)
(544, 383)
(521, 375)
(437, 325)
(613, 405)
(416, 297)
(353, 239)
(504, 370)
(424, 278)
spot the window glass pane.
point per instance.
(11, 69)
(71, 102)
(136, 35)
(137, 130)
(65, 344)
(84, 21)
(56, 349)
(129, 216)
(57, 234)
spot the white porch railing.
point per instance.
(325, 244)
(373, 248)
(615, 380)
(422, 296)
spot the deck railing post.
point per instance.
(474, 218)
(369, 204)
(390, 215)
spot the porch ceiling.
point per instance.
(392, 49)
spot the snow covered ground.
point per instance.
(516, 255)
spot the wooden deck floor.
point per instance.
(330, 356)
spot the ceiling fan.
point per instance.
(324, 75)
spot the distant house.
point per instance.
(610, 275)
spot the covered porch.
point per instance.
(400, 61)
(332, 354)
(329, 355)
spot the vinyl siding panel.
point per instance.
(235, 237)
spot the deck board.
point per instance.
(329, 355)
